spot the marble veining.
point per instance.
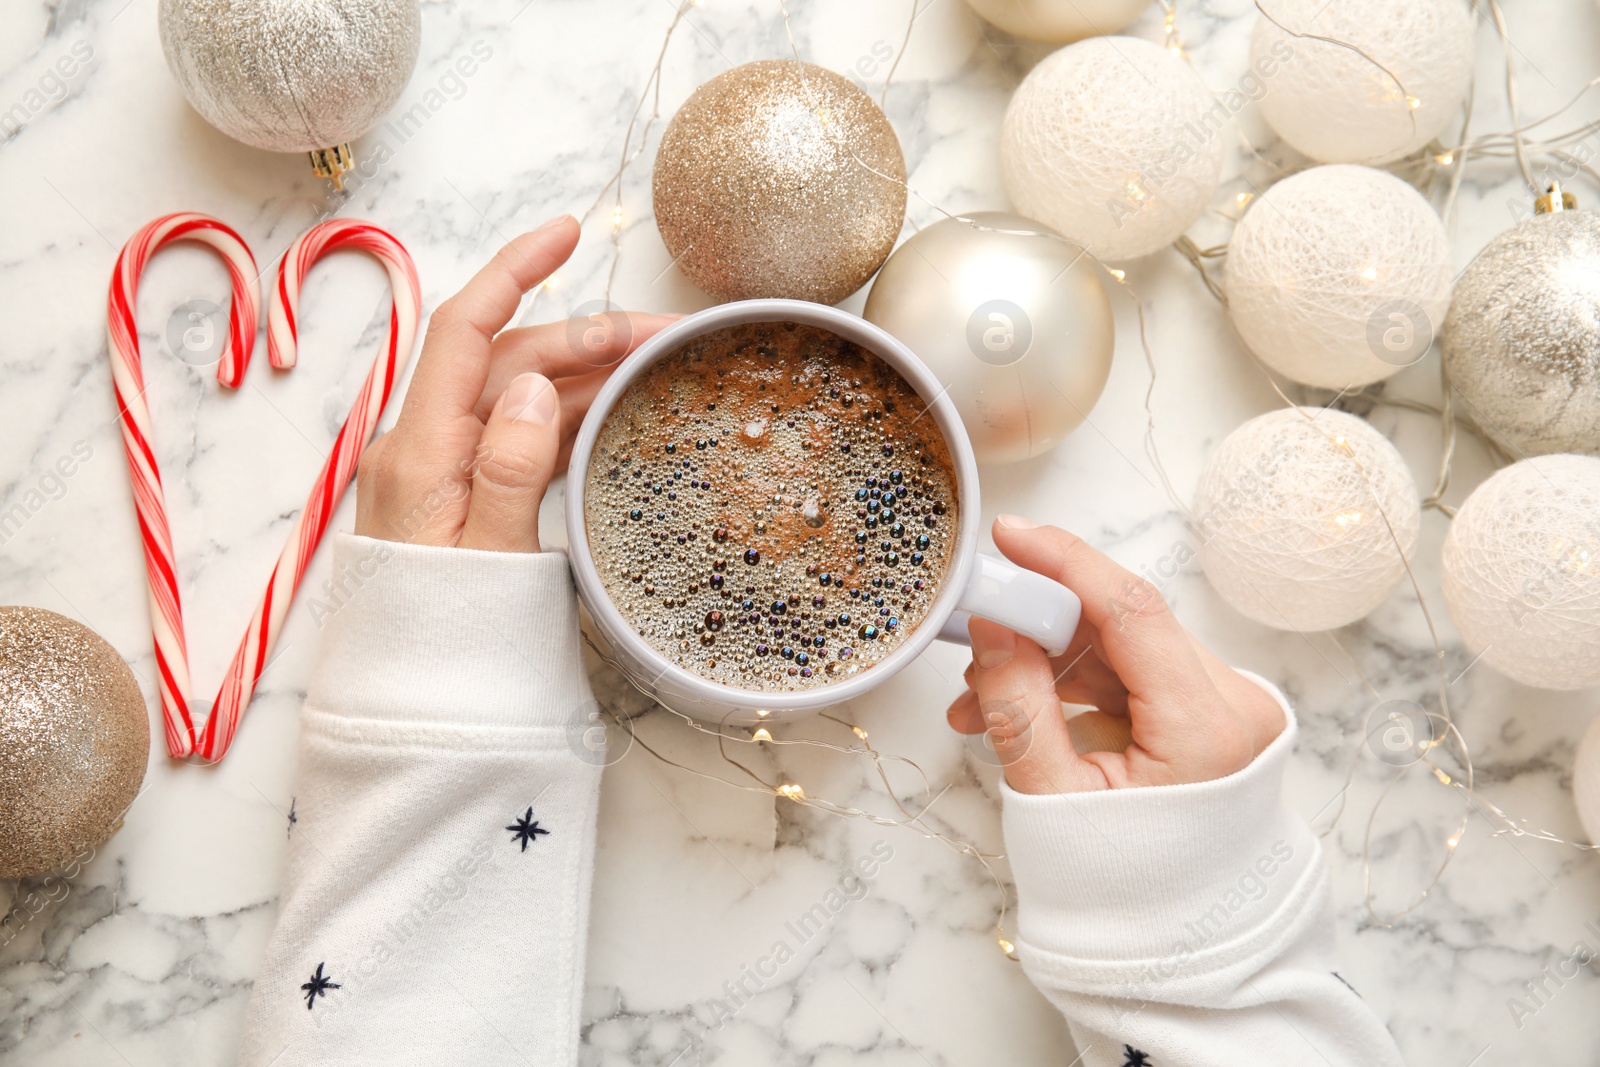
(146, 955)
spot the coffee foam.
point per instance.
(767, 508)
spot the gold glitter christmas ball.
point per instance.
(779, 179)
(74, 740)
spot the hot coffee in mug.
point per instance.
(772, 508)
(769, 508)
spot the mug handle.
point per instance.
(1020, 600)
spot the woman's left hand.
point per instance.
(491, 413)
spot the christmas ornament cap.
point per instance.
(1554, 200)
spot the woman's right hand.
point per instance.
(1175, 712)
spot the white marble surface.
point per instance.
(149, 957)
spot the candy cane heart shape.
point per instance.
(282, 334)
(127, 374)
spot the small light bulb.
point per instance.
(1245, 198)
(1413, 102)
(1119, 275)
(763, 713)
(1444, 779)
(1444, 159)
(1008, 948)
(616, 217)
(1370, 274)
(552, 282)
(761, 735)
(792, 791)
(859, 732)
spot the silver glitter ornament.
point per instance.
(1522, 339)
(292, 75)
(1014, 321)
(779, 179)
(74, 740)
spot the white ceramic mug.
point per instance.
(973, 584)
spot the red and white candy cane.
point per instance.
(166, 612)
(340, 468)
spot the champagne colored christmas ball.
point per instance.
(1013, 322)
(1292, 508)
(1522, 340)
(1339, 276)
(74, 740)
(1059, 21)
(1586, 781)
(291, 75)
(779, 179)
(1115, 143)
(1381, 82)
(1521, 571)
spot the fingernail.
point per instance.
(530, 398)
(1017, 522)
(553, 223)
(992, 646)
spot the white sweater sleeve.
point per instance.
(442, 833)
(1187, 926)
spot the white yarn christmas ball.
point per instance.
(1522, 571)
(1292, 507)
(1112, 142)
(1339, 276)
(1397, 75)
(1059, 21)
(1586, 781)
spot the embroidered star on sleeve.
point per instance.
(1135, 1058)
(526, 829)
(318, 986)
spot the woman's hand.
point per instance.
(1167, 711)
(491, 412)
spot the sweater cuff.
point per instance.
(416, 633)
(1209, 872)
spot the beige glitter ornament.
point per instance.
(1521, 571)
(1015, 323)
(74, 740)
(1339, 276)
(1309, 518)
(1115, 143)
(779, 179)
(1522, 339)
(1059, 21)
(293, 75)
